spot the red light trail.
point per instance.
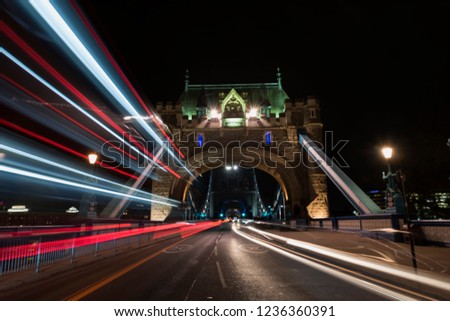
(61, 230)
(120, 72)
(61, 146)
(44, 64)
(185, 230)
(64, 115)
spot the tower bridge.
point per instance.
(251, 126)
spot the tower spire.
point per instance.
(279, 77)
(186, 80)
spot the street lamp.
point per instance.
(92, 211)
(87, 206)
(387, 152)
(392, 196)
(92, 157)
(389, 177)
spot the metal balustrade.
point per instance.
(19, 252)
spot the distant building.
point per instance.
(434, 205)
(442, 200)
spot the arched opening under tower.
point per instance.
(235, 192)
(294, 183)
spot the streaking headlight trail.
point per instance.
(44, 64)
(52, 17)
(47, 178)
(73, 170)
(79, 108)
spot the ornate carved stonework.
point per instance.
(233, 110)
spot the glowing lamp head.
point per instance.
(228, 168)
(387, 152)
(92, 158)
(214, 114)
(253, 112)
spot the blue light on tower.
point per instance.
(268, 138)
(200, 140)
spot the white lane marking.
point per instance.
(251, 248)
(222, 279)
(215, 251)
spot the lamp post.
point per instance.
(408, 220)
(389, 177)
(391, 197)
(92, 157)
(87, 206)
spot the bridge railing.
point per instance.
(389, 226)
(363, 222)
(386, 226)
(26, 249)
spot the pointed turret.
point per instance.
(186, 80)
(279, 77)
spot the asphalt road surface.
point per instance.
(217, 264)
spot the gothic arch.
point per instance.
(291, 188)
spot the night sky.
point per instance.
(380, 69)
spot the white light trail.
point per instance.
(148, 169)
(21, 172)
(73, 170)
(80, 109)
(345, 277)
(342, 256)
(49, 13)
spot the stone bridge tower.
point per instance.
(252, 125)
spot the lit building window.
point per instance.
(443, 205)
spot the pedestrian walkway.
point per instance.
(429, 258)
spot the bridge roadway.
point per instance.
(225, 264)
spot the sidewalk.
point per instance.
(429, 258)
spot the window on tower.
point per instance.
(268, 138)
(200, 140)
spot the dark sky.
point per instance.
(379, 68)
